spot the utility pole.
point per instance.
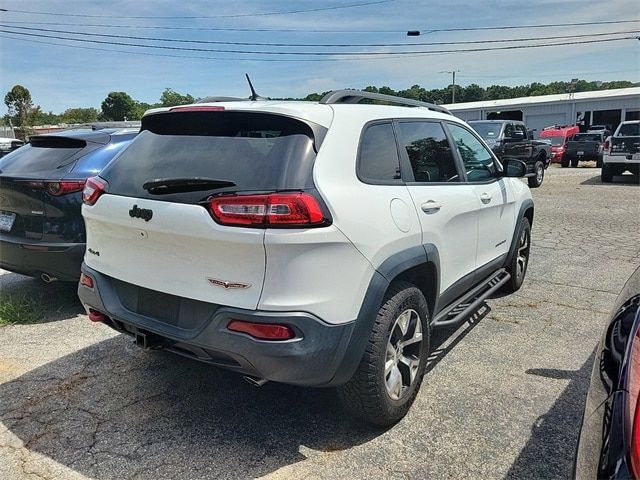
(453, 84)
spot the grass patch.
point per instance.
(20, 308)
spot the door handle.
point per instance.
(485, 198)
(430, 206)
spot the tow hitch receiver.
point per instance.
(147, 340)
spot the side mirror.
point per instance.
(514, 167)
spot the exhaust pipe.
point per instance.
(46, 278)
(256, 382)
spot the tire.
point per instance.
(367, 395)
(575, 162)
(606, 174)
(520, 261)
(536, 181)
(564, 163)
(599, 162)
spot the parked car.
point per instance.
(584, 146)
(622, 151)
(558, 136)
(8, 145)
(41, 227)
(509, 138)
(609, 444)
(604, 129)
(314, 244)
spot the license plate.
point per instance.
(6, 221)
(580, 153)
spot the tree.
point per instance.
(118, 106)
(80, 115)
(20, 106)
(139, 109)
(472, 93)
(41, 118)
(170, 98)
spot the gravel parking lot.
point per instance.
(503, 396)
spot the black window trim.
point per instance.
(405, 163)
(496, 162)
(373, 181)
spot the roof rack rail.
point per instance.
(354, 96)
(221, 99)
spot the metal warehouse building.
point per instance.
(603, 107)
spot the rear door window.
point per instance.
(378, 161)
(254, 151)
(428, 151)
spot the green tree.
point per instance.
(118, 106)
(44, 118)
(20, 106)
(80, 115)
(170, 98)
(139, 109)
(472, 93)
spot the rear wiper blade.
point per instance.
(165, 186)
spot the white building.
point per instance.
(602, 107)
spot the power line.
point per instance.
(185, 17)
(340, 45)
(357, 55)
(305, 30)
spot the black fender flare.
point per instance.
(526, 205)
(382, 277)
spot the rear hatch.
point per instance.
(586, 145)
(165, 240)
(23, 176)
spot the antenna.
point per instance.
(254, 95)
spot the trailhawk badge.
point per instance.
(227, 285)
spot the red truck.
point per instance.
(558, 135)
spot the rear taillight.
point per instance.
(606, 145)
(64, 187)
(628, 313)
(295, 209)
(57, 188)
(262, 331)
(93, 188)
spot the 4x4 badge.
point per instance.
(227, 285)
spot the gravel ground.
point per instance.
(503, 396)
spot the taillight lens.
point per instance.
(295, 209)
(93, 188)
(64, 187)
(630, 313)
(262, 331)
(607, 145)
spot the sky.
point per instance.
(61, 77)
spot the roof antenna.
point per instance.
(254, 95)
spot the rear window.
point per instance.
(41, 154)
(255, 151)
(587, 137)
(629, 130)
(487, 130)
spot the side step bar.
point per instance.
(462, 308)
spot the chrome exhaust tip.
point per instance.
(256, 382)
(46, 278)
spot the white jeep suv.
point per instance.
(315, 244)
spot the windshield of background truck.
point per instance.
(555, 141)
(487, 130)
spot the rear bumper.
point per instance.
(571, 155)
(622, 159)
(317, 357)
(59, 260)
